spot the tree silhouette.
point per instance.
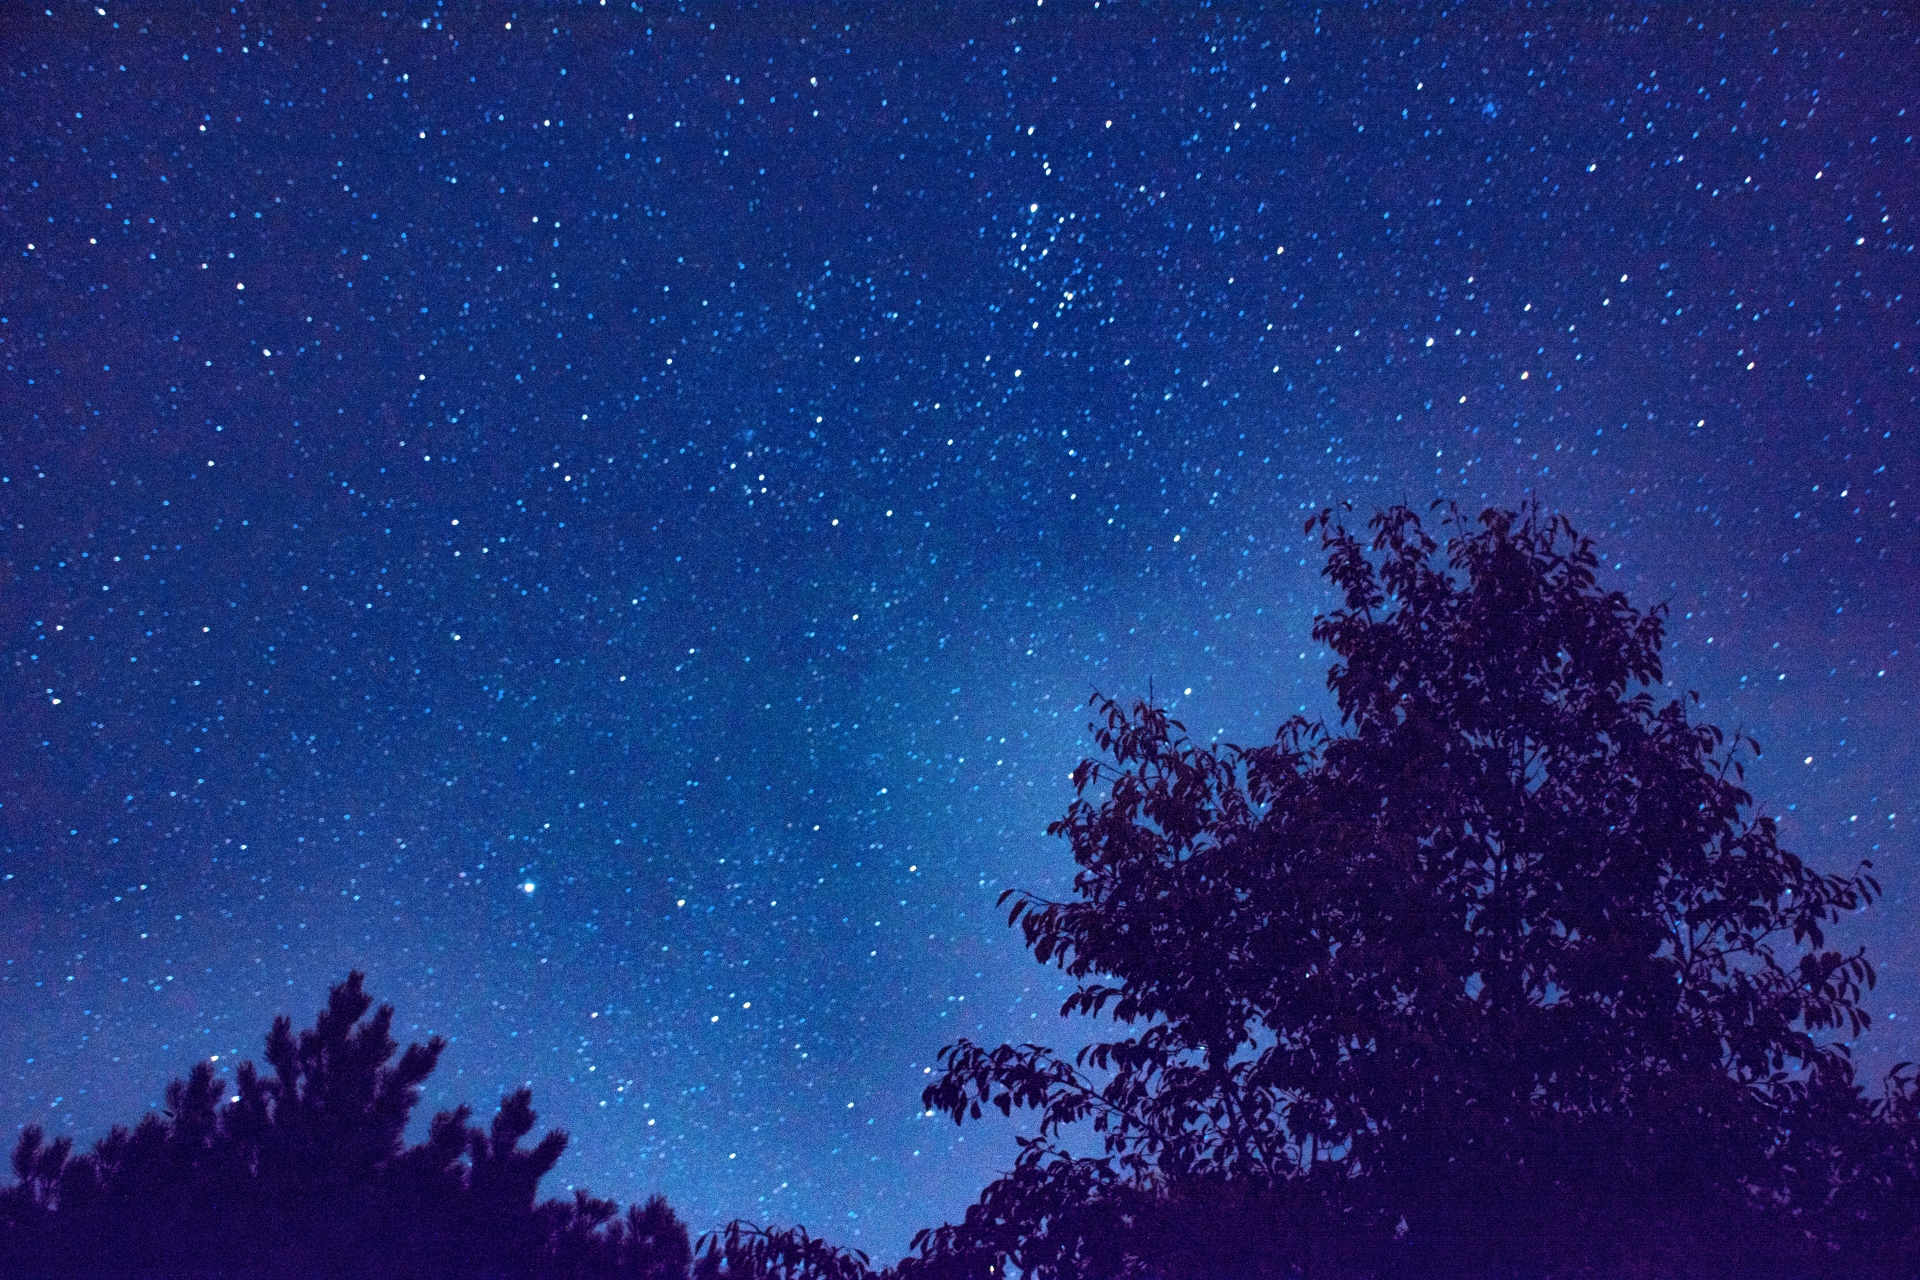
(654, 1244)
(1503, 976)
(585, 1239)
(741, 1250)
(305, 1173)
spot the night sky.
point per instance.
(608, 518)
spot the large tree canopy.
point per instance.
(1502, 970)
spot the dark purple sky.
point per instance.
(608, 522)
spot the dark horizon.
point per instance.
(610, 525)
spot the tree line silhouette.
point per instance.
(304, 1173)
(1503, 976)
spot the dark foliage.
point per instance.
(1504, 977)
(304, 1173)
(743, 1250)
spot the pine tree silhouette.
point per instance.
(304, 1172)
(655, 1245)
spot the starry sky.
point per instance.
(607, 517)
